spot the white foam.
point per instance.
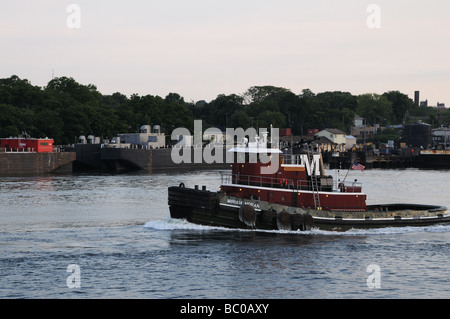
(398, 230)
(182, 224)
(174, 224)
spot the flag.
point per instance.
(358, 166)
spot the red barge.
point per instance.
(296, 196)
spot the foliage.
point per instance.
(375, 109)
(387, 134)
(66, 109)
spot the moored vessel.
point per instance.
(267, 189)
(26, 156)
(436, 159)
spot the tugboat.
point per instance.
(271, 191)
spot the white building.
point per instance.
(334, 135)
(350, 141)
(359, 121)
(441, 137)
(146, 138)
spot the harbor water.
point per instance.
(110, 236)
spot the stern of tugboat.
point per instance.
(184, 202)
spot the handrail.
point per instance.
(254, 180)
(276, 182)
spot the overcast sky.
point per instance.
(203, 48)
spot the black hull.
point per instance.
(342, 225)
(387, 215)
(213, 209)
(97, 158)
(434, 161)
(204, 208)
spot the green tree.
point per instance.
(20, 93)
(177, 114)
(16, 120)
(375, 109)
(222, 108)
(48, 123)
(85, 94)
(337, 109)
(270, 119)
(401, 105)
(260, 94)
(240, 119)
(387, 134)
(65, 109)
(78, 107)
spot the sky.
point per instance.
(203, 48)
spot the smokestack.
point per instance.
(416, 98)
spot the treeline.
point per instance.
(65, 109)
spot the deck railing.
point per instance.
(275, 182)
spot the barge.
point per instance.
(25, 156)
(296, 195)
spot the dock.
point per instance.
(403, 158)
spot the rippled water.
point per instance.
(117, 230)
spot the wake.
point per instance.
(182, 224)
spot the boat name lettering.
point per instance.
(241, 202)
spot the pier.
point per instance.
(403, 158)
